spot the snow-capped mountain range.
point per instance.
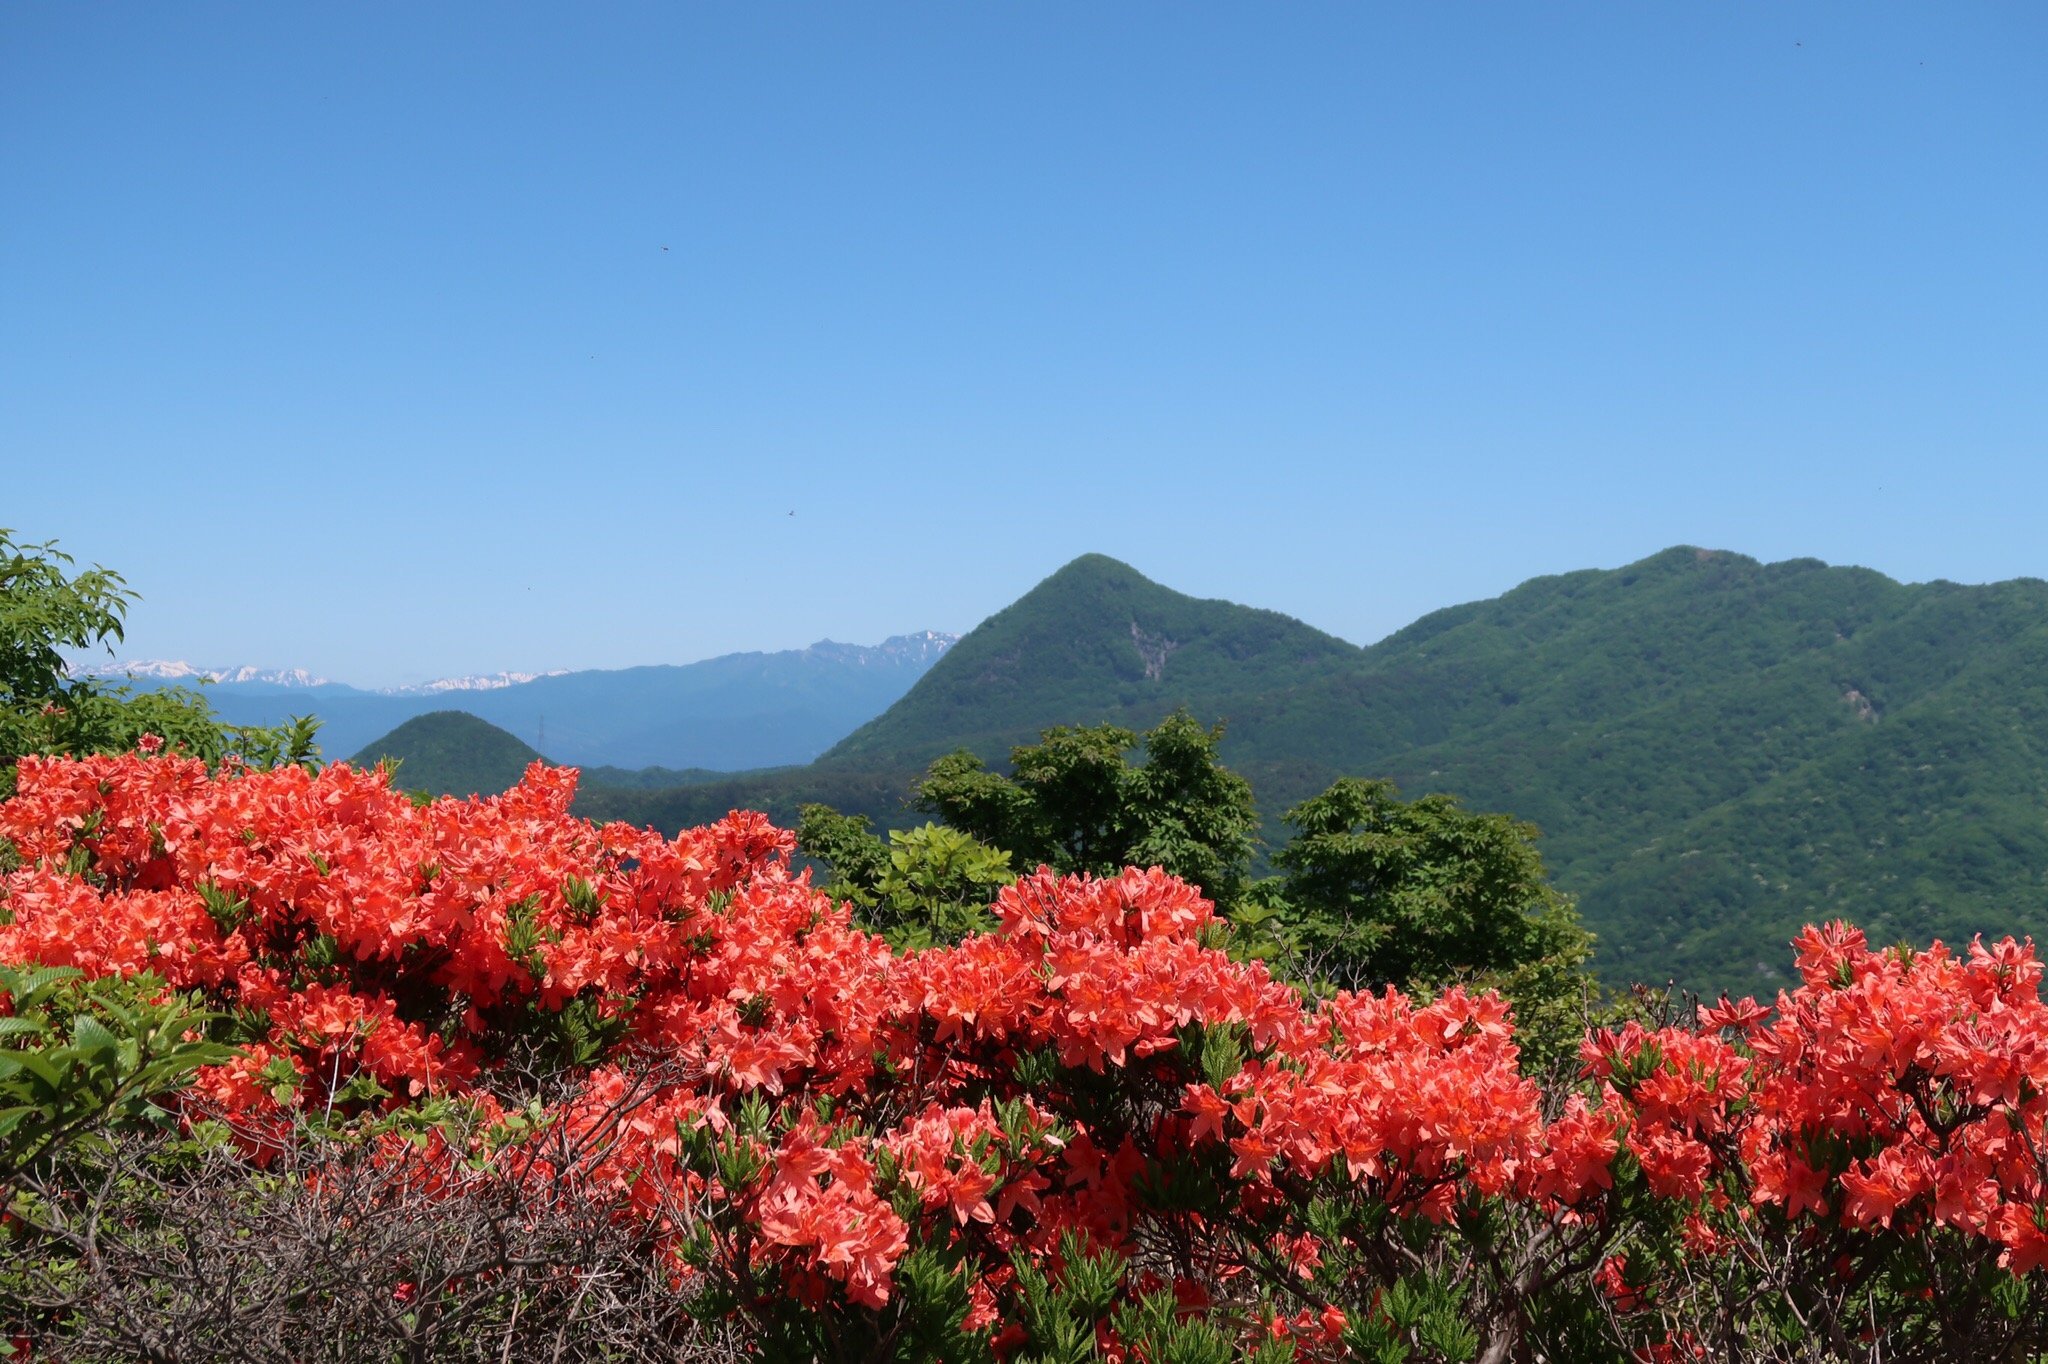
(177, 671)
(475, 682)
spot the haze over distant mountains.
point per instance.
(169, 672)
(1718, 750)
(735, 711)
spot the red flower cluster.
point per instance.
(828, 1105)
(1892, 1089)
(345, 915)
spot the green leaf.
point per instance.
(91, 1035)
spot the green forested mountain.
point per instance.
(1717, 749)
(1721, 750)
(451, 753)
(1096, 642)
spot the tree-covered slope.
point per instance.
(1095, 643)
(1929, 819)
(1720, 750)
(451, 753)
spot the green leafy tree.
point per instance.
(852, 856)
(1415, 891)
(45, 608)
(925, 885)
(1381, 891)
(1074, 802)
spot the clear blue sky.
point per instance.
(406, 340)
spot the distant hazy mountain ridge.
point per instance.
(179, 672)
(732, 712)
(917, 650)
(920, 648)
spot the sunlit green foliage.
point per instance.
(1074, 802)
(1387, 891)
(46, 608)
(1372, 890)
(79, 1054)
(1378, 891)
(925, 885)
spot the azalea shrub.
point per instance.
(1870, 1152)
(1084, 1130)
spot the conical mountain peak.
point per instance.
(451, 752)
(1096, 642)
